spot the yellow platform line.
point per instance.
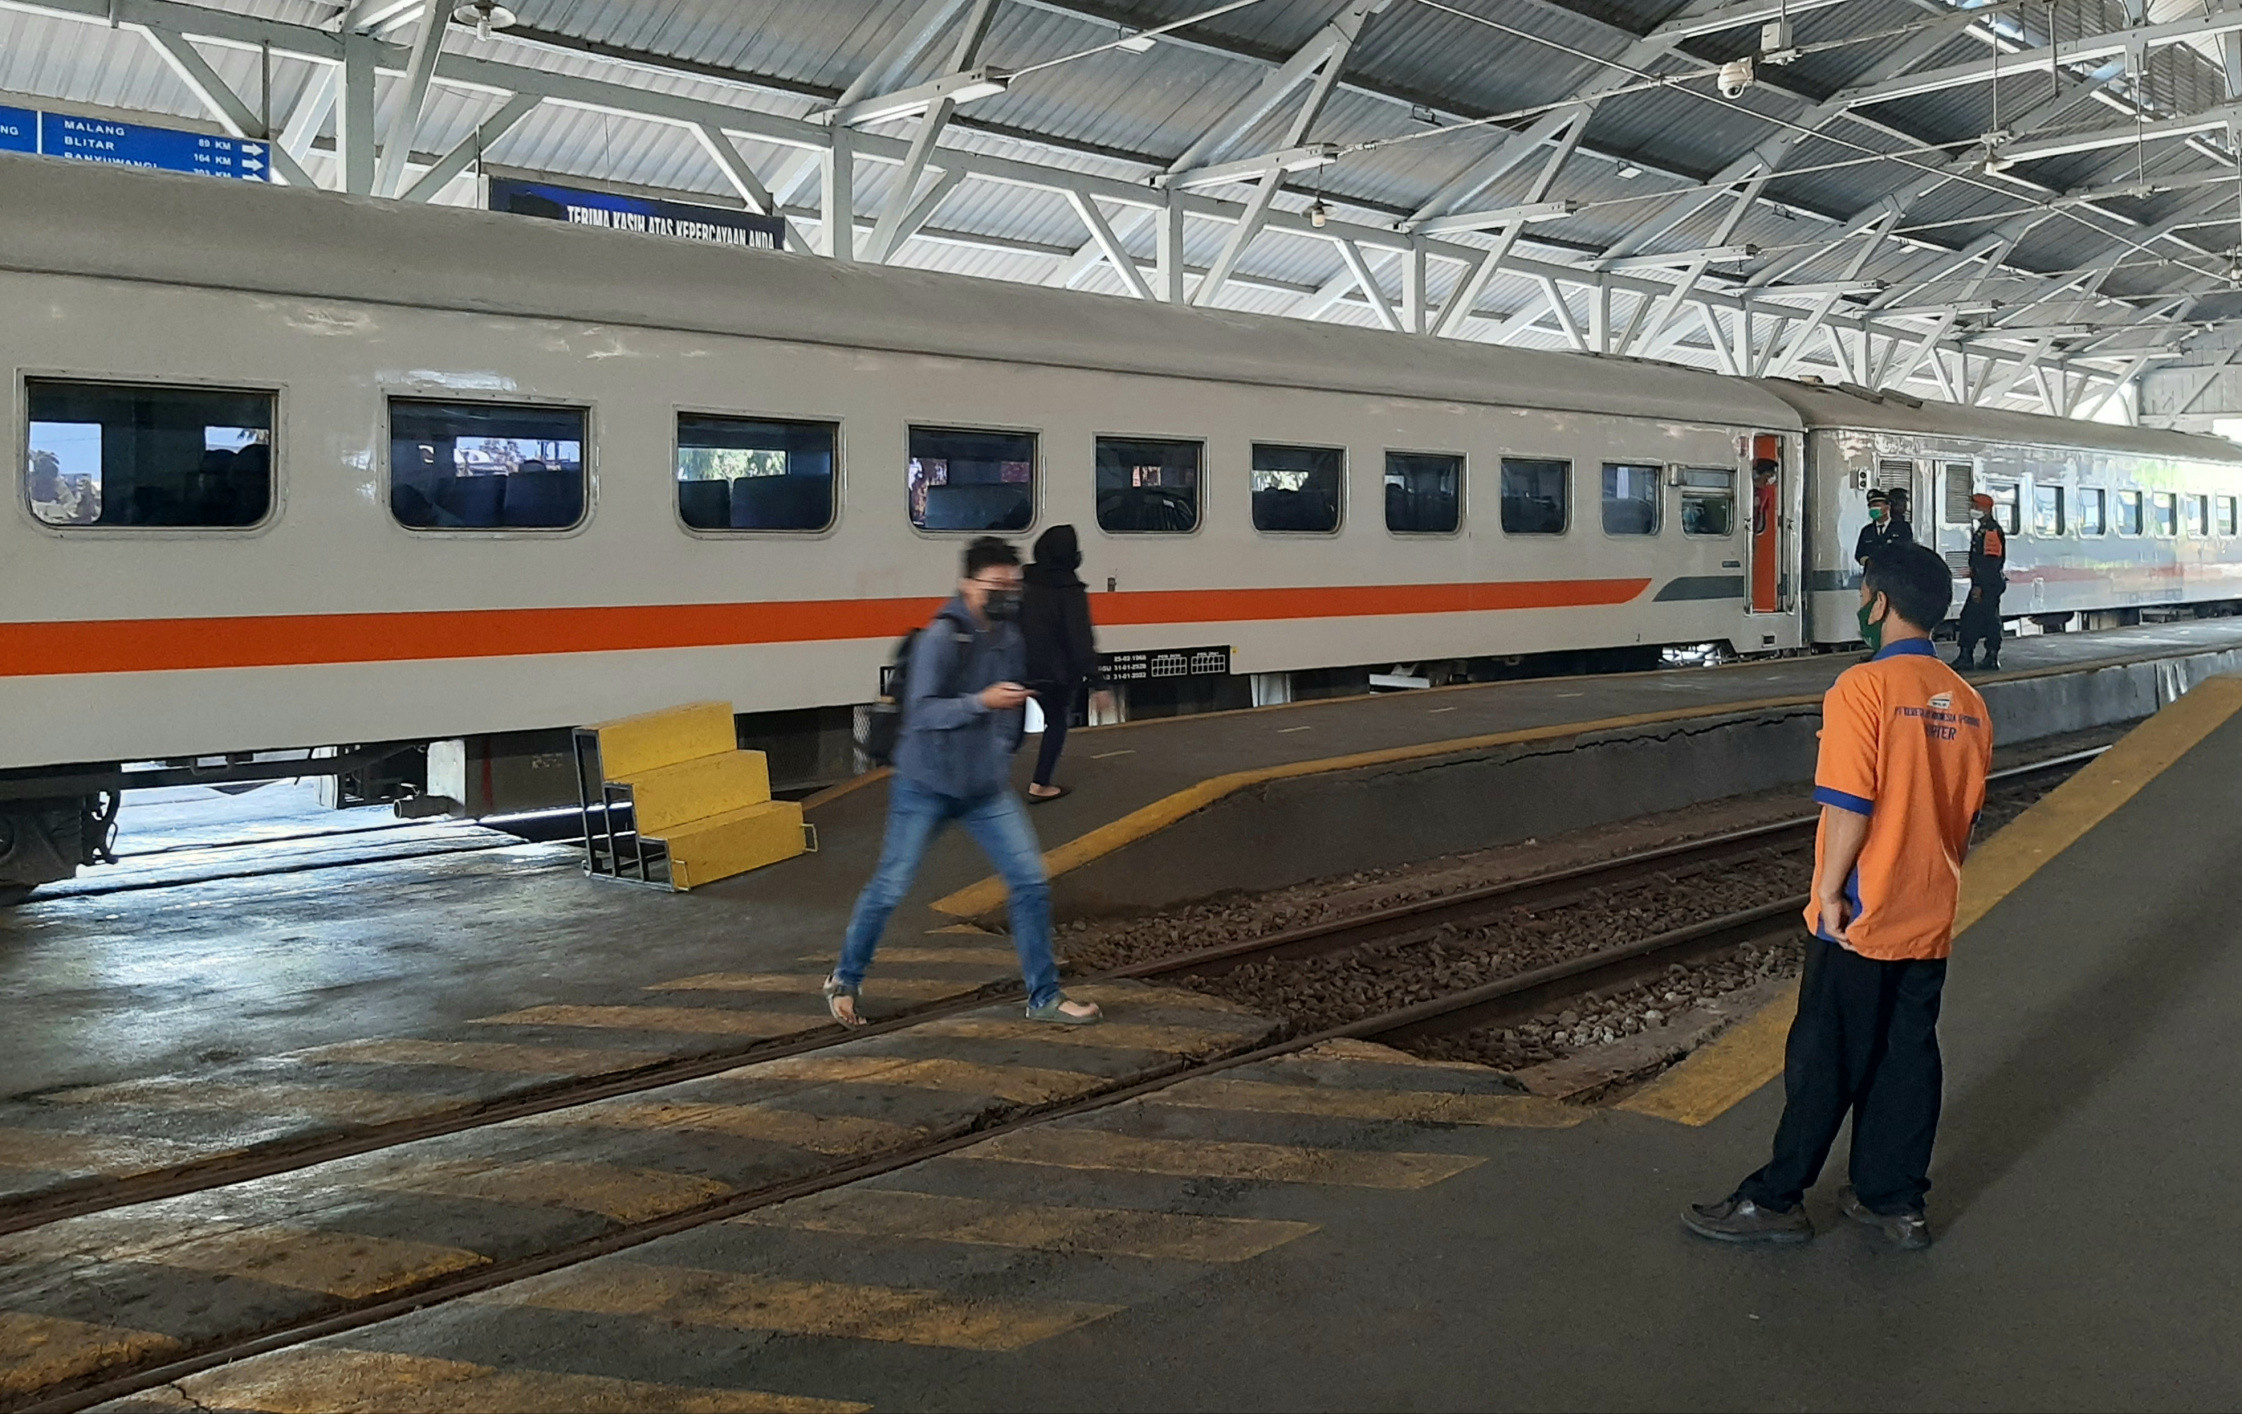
(62, 1151)
(501, 1056)
(793, 1129)
(1101, 1149)
(1019, 1084)
(38, 1351)
(732, 1301)
(314, 1380)
(911, 954)
(1102, 1232)
(627, 1195)
(706, 1021)
(976, 899)
(1717, 1077)
(805, 984)
(1407, 1106)
(278, 1098)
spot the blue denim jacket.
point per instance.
(951, 743)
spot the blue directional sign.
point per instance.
(19, 130)
(164, 149)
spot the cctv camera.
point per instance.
(1735, 77)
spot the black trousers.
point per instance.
(1058, 705)
(1865, 1043)
(1981, 623)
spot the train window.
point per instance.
(1536, 496)
(1631, 498)
(2164, 513)
(1148, 486)
(2047, 510)
(2129, 513)
(122, 454)
(2007, 512)
(1424, 493)
(2094, 510)
(1708, 501)
(2226, 515)
(742, 473)
(485, 466)
(1297, 488)
(1959, 488)
(2198, 509)
(959, 479)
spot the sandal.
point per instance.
(836, 991)
(1034, 799)
(1055, 1010)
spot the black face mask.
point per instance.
(1001, 605)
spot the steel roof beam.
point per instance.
(2071, 53)
(404, 117)
(221, 101)
(472, 146)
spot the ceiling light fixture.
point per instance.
(1628, 171)
(1318, 214)
(485, 16)
(1135, 43)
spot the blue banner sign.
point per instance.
(163, 149)
(678, 219)
(19, 130)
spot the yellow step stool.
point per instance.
(698, 802)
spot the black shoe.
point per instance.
(1909, 1232)
(1742, 1220)
(1992, 665)
(1964, 661)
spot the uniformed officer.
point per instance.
(1981, 612)
(1883, 531)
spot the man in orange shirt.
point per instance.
(1906, 745)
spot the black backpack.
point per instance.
(883, 721)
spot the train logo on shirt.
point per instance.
(1943, 701)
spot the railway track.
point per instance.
(1522, 994)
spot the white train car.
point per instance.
(2101, 520)
(304, 471)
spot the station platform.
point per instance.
(1349, 1227)
(157, 1029)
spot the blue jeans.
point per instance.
(999, 824)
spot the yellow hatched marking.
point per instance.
(1346, 1048)
(500, 1056)
(1725, 1071)
(1018, 1083)
(972, 929)
(1107, 1035)
(705, 1021)
(624, 1194)
(38, 1351)
(732, 1301)
(327, 1381)
(1413, 1106)
(1139, 995)
(56, 1151)
(1118, 1232)
(1201, 1158)
(182, 1093)
(908, 953)
(806, 984)
(343, 1264)
(798, 1129)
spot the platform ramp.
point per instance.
(670, 798)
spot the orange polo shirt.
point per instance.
(1907, 743)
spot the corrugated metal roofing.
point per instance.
(1128, 115)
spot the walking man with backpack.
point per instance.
(961, 703)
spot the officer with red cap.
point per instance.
(1981, 612)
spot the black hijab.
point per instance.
(1058, 554)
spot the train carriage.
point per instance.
(302, 471)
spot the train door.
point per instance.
(1770, 587)
(1896, 475)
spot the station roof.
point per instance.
(1915, 191)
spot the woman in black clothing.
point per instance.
(1062, 647)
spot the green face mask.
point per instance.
(1876, 513)
(1872, 631)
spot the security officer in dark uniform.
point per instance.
(1981, 613)
(1883, 531)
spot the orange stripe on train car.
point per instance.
(294, 640)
